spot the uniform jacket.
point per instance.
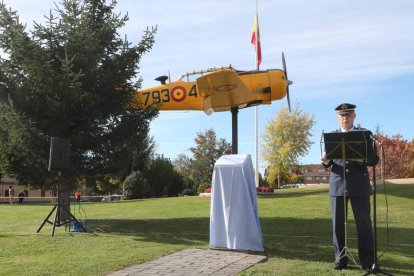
(356, 174)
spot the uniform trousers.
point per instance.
(361, 208)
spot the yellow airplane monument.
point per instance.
(218, 89)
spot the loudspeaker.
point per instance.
(59, 154)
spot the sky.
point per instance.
(359, 52)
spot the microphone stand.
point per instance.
(376, 265)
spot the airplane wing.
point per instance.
(223, 90)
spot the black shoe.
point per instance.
(340, 266)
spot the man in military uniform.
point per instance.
(358, 192)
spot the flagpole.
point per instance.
(257, 35)
(257, 107)
(257, 147)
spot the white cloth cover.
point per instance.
(234, 218)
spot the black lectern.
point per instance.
(359, 146)
(350, 145)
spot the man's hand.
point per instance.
(323, 158)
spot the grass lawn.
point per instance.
(295, 223)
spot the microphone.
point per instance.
(375, 139)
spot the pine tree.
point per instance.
(72, 77)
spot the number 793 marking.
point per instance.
(164, 95)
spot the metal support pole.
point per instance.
(234, 140)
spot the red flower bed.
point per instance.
(264, 189)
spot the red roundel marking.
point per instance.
(178, 93)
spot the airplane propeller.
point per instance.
(289, 82)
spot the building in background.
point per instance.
(30, 194)
(314, 174)
(306, 174)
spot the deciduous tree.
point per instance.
(205, 154)
(286, 138)
(198, 169)
(398, 156)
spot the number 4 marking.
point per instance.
(193, 91)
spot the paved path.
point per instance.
(198, 262)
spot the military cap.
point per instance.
(345, 108)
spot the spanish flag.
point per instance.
(256, 41)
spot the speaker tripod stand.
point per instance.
(59, 208)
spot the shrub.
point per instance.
(202, 187)
(136, 186)
(188, 192)
(164, 180)
(176, 184)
